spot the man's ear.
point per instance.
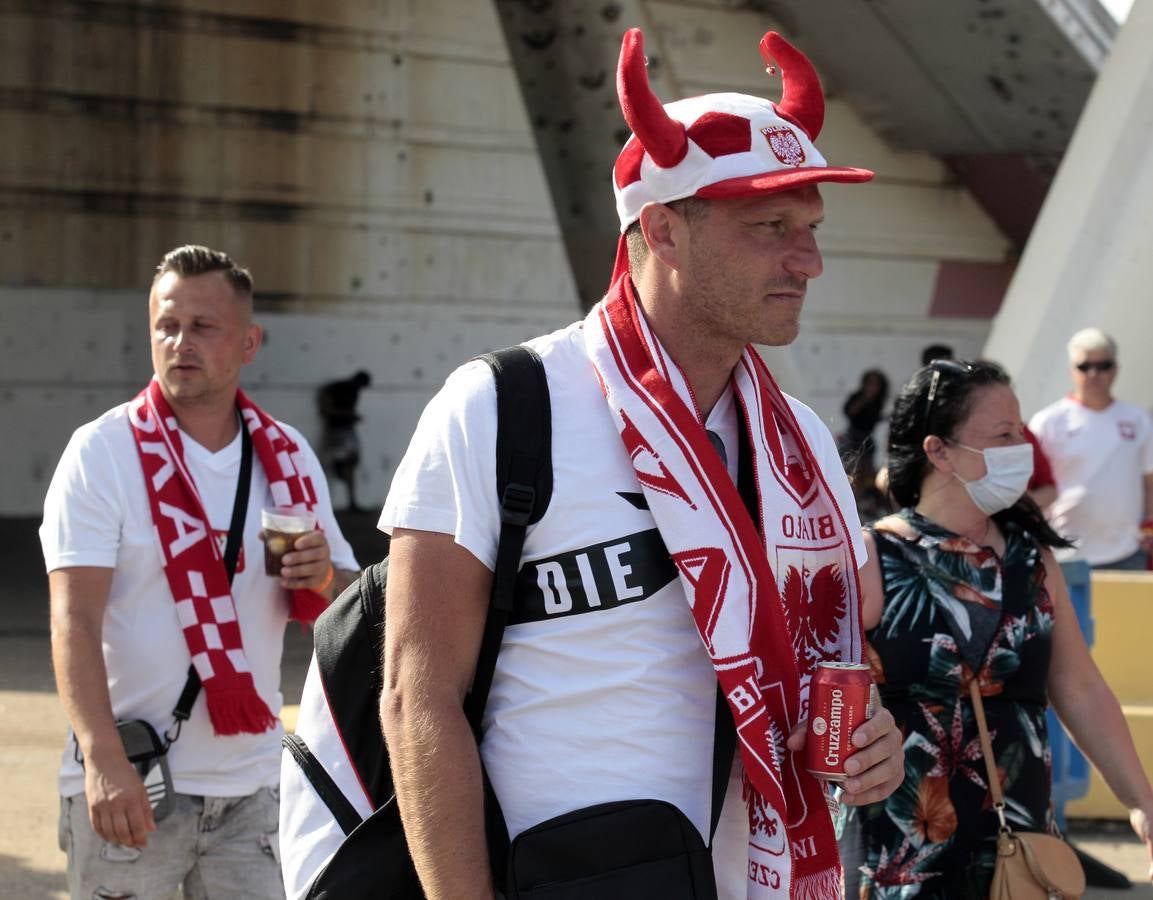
(666, 233)
(937, 452)
(253, 336)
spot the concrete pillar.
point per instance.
(1088, 260)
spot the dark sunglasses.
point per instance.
(1105, 365)
(939, 366)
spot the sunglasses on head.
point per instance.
(938, 366)
(1105, 365)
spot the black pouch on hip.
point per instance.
(148, 752)
(612, 851)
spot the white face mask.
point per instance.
(1007, 474)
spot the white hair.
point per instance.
(1089, 339)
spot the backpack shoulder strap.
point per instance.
(524, 425)
(524, 485)
(339, 805)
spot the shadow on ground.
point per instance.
(17, 879)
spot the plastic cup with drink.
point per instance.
(282, 526)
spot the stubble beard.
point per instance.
(784, 334)
(184, 393)
(197, 391)
(725, 309)
(778, 327)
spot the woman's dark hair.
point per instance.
(881, 378)
(937, 400)
(936, 351)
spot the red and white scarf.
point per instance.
(193, 563)
(764, 641)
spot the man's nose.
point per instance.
(181, 341)
(805, 257)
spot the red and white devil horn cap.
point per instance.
(720, 145)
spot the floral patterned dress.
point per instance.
(951, 608)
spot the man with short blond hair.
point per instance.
(145, 506)
(1101, 452)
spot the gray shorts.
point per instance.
(211, 848)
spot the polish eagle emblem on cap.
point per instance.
(785, 146)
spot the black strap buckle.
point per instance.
(171, 735)
(516, 504)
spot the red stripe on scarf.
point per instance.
(765, 706)
(271, 444)
(193, 565)
(759, 372)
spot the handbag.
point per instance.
(1030, 865)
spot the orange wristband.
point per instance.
(327, 579)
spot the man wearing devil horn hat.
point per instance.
(652, 577)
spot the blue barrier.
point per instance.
(1070, 767)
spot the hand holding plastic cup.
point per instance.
(282, 526)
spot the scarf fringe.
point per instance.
(824, 885)
(307, 606)
(238, 712)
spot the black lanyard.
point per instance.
(183, 708)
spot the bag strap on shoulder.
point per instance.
(339, 805)
(524, 485)
(987, 752)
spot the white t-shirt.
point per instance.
(603, 691)
(97, 514)
(1099, 460)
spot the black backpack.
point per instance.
(340, 829)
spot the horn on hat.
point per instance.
(663, 138)
(801, 97)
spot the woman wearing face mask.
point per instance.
(963, 580)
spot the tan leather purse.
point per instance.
(1030, 865)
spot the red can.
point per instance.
(840, 699)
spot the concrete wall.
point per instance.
(372, 162)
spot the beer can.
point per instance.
(840, 699)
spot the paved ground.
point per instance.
(31, 865)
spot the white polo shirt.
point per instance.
(604, 691)
(97, 513)
(1099, 460)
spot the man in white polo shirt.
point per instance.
(152, 540)
(1101, 451)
